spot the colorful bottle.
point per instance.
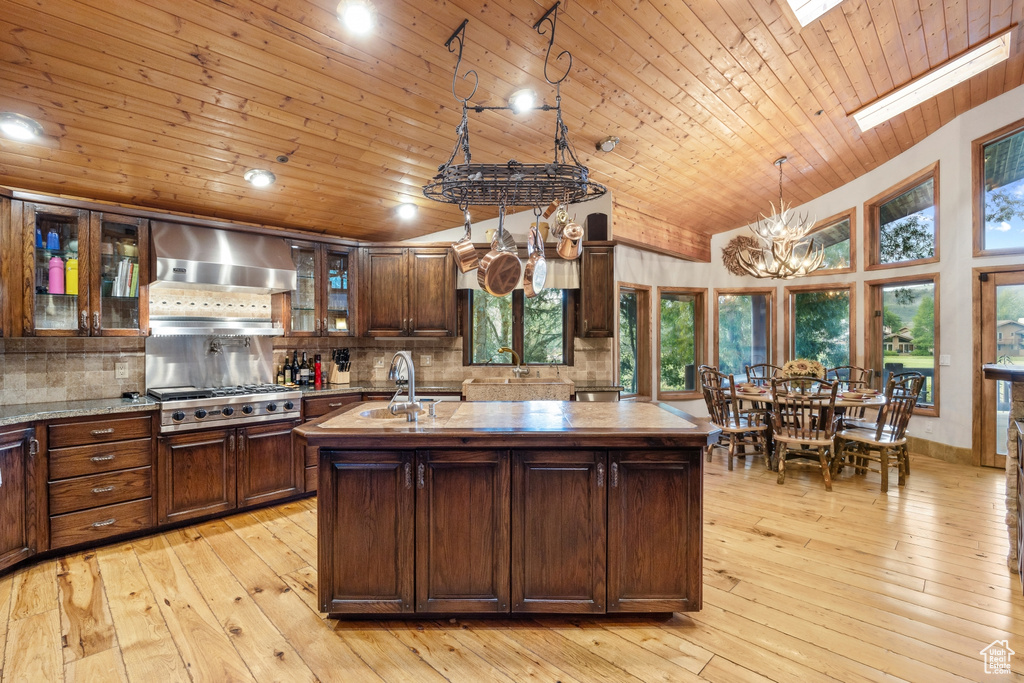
(56, 275)
(71, 276)
(318, 376)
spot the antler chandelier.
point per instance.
(785, 251)
(513, 183)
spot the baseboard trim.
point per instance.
(940, 451)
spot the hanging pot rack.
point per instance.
(513, 183)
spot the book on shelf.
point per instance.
(126, 281)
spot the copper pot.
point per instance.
(500, 269)
(536, 265)
(570, 243)
(466, 257)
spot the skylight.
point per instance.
(934, 82)
(807, 11)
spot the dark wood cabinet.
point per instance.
(365, 532)
(268, 467)
(654, 531)
(197, 474)
(18, 530)
(558, 531)
(597, 305)
(321, 304)
(313, 408)
(408, 292)
(462, 531)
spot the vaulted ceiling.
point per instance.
(165, 103)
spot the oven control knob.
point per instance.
(177, 416)
(228, 411)
(247, 409)
(289, 405)
(271, 407)
(201, 413)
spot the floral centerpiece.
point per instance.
(803, 367)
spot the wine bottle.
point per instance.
(318, 375)
(287, 372)
(295, 367)
(280, 375)
(304, 370)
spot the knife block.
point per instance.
(336, 376)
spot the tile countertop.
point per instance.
(425, 389)
(30, 412)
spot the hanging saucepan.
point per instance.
(536, 265)
(570, 243)
(500, 269)
(466, 257)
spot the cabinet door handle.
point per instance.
(325, 326)
(316, 322)
(241, 443)
(615, 475)
(83, 325)
(96, 322)
(584, 328)
(408, 475)
(101, 432)
(231, 442)
(106, 522)
(33, 446)
(103, 489)
(102, 458)
(420, 471)
(600, 475)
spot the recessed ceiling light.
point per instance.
(607, 144)
(934, 82)
(19, 127)
(260, 177)
(356, 15)
(522, 100)
(407, 211)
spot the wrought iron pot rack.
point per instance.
(513, 183)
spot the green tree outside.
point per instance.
(822, 326)
(677, 342)
(923, 329)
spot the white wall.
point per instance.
(951, 147)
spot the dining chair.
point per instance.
(740, 428)
(852, 377)
(804, 423)
(885, 442)
(762, 373)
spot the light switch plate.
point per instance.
(120, 370)
(943, 359)
(378, 362)
(426, 359)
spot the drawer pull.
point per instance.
(101, 432)
(335, 405)
(103, 489)
(106, 522)
(102, 458)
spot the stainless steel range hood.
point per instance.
(221, 260)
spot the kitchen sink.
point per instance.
(513, 380)
(381, 414)
(517, 389)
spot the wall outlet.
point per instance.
(121, 370)
(378, 362)
(426, 359)
(928, 427)
(943, 359)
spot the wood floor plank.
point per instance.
(6, 584)
(721, 670)
(269, 655)
(143, 638)
(295, 537)
(445, 653)
(33, 649)
(385, 654)
(101, 666)
(34, 590)
(85, 621)
(203, 644)
(273, 550)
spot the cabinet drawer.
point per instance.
(94, 524)
(316, 407)
(81, 460)
(94, 490)
(98, 431)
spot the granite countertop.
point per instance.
(1007, 373)
(423, 389)
(30, 412)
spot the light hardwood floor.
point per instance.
(799, 585)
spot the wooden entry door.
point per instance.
(1002, 341)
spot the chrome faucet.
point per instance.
(411, 408)
(518, 370)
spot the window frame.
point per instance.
(771, 318)
(872, 221)
(644, 387)
(851, 215)
(789, 291)
(518, 312)
(873, 329)
(700, 346)
(978, 187)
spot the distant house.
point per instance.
(1009, 338)
(900, 342)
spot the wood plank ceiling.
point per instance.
(165, 104)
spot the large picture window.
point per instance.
(634, 340)
(902, 332)
(744, 329)
(999, 191)
(535, 328)
(903, 222)
(681, 340)
(837, 235)
(819, 323)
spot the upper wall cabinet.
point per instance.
(408, 292)
(597, 305)
(85, 273)
(321, 305)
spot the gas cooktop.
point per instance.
(185, 393)
(187, 408)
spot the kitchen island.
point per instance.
(509, 507)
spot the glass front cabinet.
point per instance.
(320, 304)
(84, 271)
